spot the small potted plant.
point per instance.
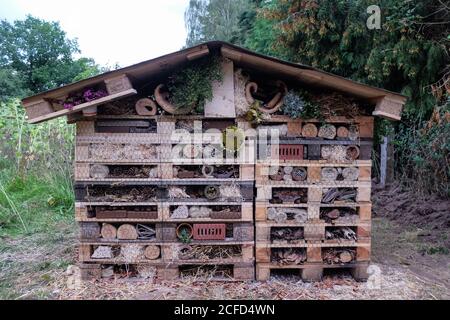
(184, 232)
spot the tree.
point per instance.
(39, 56)
(213, 20)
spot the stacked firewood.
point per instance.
(338, 255)
(287, 234)
(341, 214)
(288, 256)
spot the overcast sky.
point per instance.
(111, 31)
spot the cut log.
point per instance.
(108, 231)
(342, 132)
(333, 214)
(127, 232)
(152, 252)
(271, 213)
(345, 257)
(309, 130)
(327, 131)
(280, 217)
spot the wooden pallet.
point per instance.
(87, 172)
(310, 149)
(169, 271)
(159, 191)
(316, 191)
(364, 210)
(85, 212)
(312, 272)
(364, 124)
(314, 251)
(170, 252)
(313, 170)
(312, 232)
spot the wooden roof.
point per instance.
(387, 104)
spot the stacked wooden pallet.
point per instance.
(149, 203)
(312, 208)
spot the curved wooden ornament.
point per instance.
(161, 99)
(274, 104)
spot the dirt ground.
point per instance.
(409, 261)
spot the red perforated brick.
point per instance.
(209, 231)
(290, 152)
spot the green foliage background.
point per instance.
(407, 55)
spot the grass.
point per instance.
(35, 202)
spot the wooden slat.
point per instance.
(82, 106)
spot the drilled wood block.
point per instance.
(314, 174)
(118, 84)
(38, 108)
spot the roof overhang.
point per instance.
(387, 104)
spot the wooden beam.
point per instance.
(82, 106)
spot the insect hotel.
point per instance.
(215, 161)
